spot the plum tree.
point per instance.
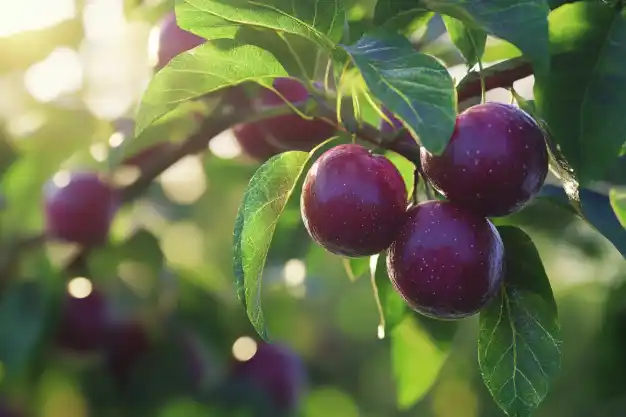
(83, 321)
(446, 261)
(275, 370)
(286, 132)
(80, 210)
(495, 163)
(353, 202)
(173, 40)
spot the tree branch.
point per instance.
(500, 75)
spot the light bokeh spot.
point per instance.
(79, 287)
(244, 348)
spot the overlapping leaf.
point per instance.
(618, 202)
(319, 20)
(469, 40)
(203, 70)
(511, 20)
(519, 346)
(413, 86)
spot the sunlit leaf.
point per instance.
(319, 20)
(519, 345)
(416, 359)
(203, 70)
(263, 202)
(618, 202)
(413, 86)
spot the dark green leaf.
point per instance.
(618, 202)
(203, 70)
(469, 40)
(416, 360)
(392, 306)
(511, 20)
(356, 267)
(519, 346)
(586, 85)
(402, 16)
(321, 21)
(414, 86)
(595, 208)
(23, 312)
(263, 202)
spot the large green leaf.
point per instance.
(417, 359)
(618, 202)
(511, 20)
(203, 70)
(519, 346)
(263, 202)
(322, 21)
(583, 96)
(469, 40)
(414, 86)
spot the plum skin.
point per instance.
(446, 262)
(353, 202)
(173, 40)
(278, 371)
(80, 211)
(495, 162)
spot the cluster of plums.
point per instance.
(444, 257)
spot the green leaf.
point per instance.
(416, 361)
(263, 202)
(511, 20)
(321, 21)
(414, 86)
(595, 209)
(519, 346)
(582, 96)
(469, 40)
(618, 202)
(203, 70)
(23, 312)
(400, 16)
(392, 306)
(356, 267)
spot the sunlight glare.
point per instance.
(19, 16)
(60, 73)
(225, 145)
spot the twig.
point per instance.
(501, 75)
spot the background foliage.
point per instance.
(72, 77)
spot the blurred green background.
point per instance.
(69, 71)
